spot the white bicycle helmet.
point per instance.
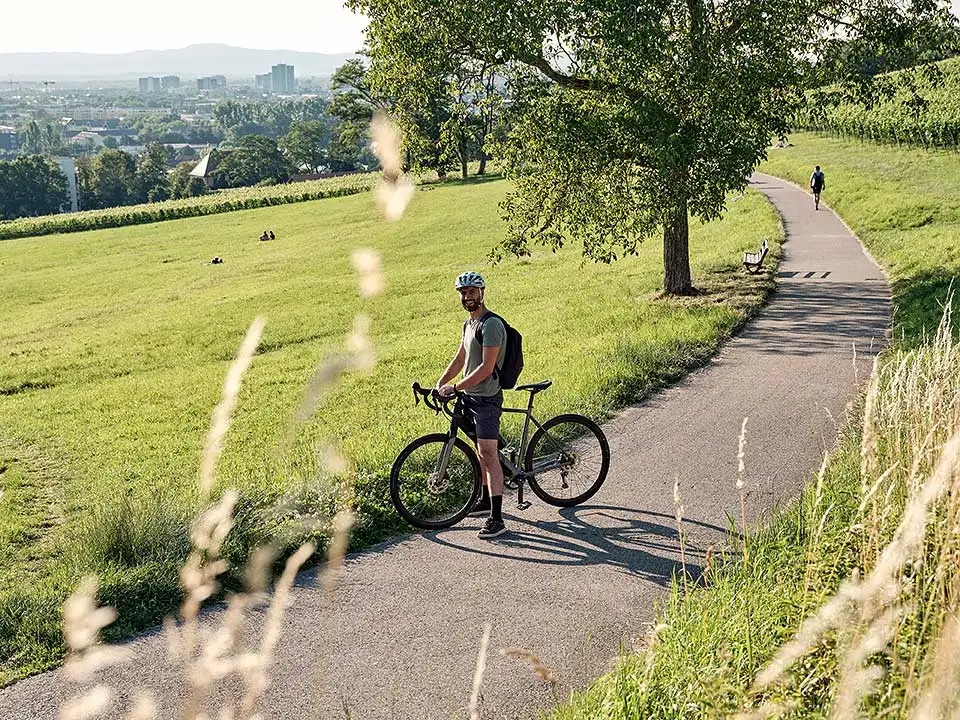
(469, 279)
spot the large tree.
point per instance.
(108, 180)
(37, 139)
(31, 185)
(152, 181)
(305, 145)
(257, 160)
(352, 106)
(639, 114)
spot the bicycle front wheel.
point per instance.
(427, 496)
(568, 457)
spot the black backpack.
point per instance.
(512, 354)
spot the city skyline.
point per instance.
(321, 26)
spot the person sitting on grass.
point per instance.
(272, 236)
(265, 236)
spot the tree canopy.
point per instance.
(31, 185)
(629, 116)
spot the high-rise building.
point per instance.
(150, 84)
(211, 82)
(282, 79)
(263, 82)
(170, 82)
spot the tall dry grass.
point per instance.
(892, 625)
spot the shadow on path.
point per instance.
(629, 540)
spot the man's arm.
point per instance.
(455, 366)
(490, 355)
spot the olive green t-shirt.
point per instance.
(494, 335)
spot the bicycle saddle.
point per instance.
(535, 387)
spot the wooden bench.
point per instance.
(752, 261)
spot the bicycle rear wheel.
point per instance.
(569, 457)
(429, 500)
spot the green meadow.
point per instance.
(115, 344)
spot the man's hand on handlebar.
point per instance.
(447, 390)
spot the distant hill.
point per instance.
(189, 62)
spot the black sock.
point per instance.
(496, 504)
(484, 493)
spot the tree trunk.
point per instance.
(463, 159)
(676, 252)
(483, 163)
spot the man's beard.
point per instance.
(470, 305)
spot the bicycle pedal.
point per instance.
(523, 505)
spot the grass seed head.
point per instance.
(478, 672)
(542, 672)
(220, 422)
(91, 703)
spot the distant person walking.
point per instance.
(480, 354)
(817, 183)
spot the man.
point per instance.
(482, 399)
(817, 183)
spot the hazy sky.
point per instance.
(114, 26)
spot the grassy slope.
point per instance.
(115, 344)
(905, 206)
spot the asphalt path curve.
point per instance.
(399, 637)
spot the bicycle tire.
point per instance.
(410, 478)
(580, 438)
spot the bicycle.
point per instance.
(436, 479)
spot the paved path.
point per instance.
(574, 585)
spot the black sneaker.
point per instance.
(481, 508)
(491, 529)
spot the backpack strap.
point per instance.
(479, 336)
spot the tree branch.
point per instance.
(834, 20)
(559, 78)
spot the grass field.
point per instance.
(115, 344)
(709, 645)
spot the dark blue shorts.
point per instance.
(481, 416)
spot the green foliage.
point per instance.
(304, 146)
(120, 389)
(151, 183)
(353, 104)
(635, 115)
(108, 180)
(917, 107)
(257, 159)
(272, 119)
(30, 186)
(183, 184)
(37, 139)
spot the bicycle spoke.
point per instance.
(569, 457)
(427, 497)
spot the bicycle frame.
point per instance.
(516, 473)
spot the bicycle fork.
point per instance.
(440, 471)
